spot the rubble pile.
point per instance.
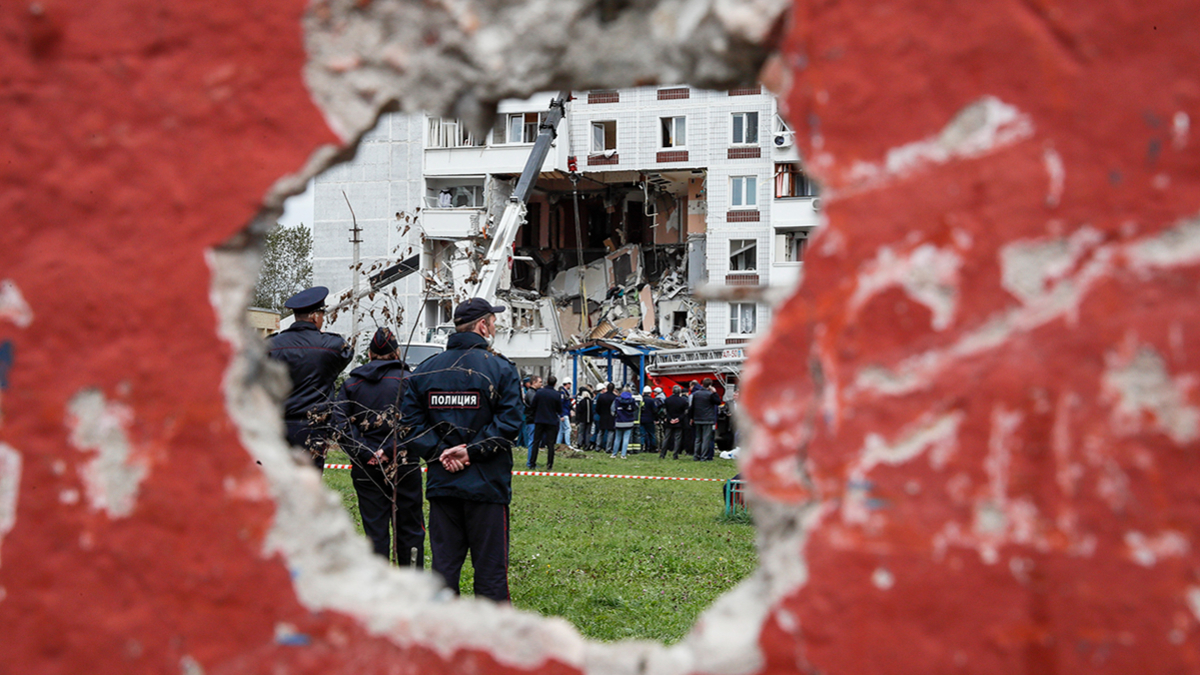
(633, 295)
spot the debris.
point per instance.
(647, 309)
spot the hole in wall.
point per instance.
(355, 82)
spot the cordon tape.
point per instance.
(577, 475)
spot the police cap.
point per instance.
(308, 300)
(384, 342)
(474, 310)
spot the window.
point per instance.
(678, 320)
(450, 133)
(455, 196)
(791, 181)
(742, 317)
(604, 136)
(437, 313)
(743, 192)
(523, 127)
(516, 128)
(790, 246)
(526, 318)
(674, 132)
(745, 128)
(743, 255)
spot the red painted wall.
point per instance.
(992, 380)
(1002, 469)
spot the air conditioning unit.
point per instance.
(783, 139)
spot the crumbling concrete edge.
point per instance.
(331, 567)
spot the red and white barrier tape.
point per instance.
(613, 475)
(578, 475)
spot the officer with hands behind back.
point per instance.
(386, 479)
(314, 360)
(463, 410)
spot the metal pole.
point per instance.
(355, 239)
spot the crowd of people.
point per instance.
(619, 421)
(461, 412)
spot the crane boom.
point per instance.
(514, 213)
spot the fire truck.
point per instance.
(669, 367)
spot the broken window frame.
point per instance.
(475, 196)
(526, 317)
(743, 192)
(791, 182)
(673, 132)
(743, 316)
(743, 128)
(791, 245)
(448, 132)
(743, 255)
(607, 139)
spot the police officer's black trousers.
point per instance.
(544, 436)
(375, 507)
(460, 525)
(307, 438)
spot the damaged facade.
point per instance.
(647, 194)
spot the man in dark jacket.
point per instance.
(463, 409)
(368, 414)
(704, 416)
(607, 423)
(530, 387)
(648, 418)
(314, 360)
(564, 418)
(625, 410)
(547, 408)
(584, 409)
(676, 407)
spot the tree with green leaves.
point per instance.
(286, 268)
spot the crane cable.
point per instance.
(585, 322)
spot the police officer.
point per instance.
(387, 482)
(463, 410)
(314, 360)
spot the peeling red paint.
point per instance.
(1058, 533)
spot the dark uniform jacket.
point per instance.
(604, 403)
(314, 360)
(467, 394)
(677, 408)
(547, 406)
(583, 409)
(527, 398)
(649, 411)
(368, 410)
(704, 406)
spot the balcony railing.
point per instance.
(452, 222)
(794, 212)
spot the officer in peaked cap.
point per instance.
(462, 409)
(313, 359)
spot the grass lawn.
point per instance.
(619, 558)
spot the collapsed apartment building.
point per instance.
(645, 195)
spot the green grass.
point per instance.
(619, 558)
